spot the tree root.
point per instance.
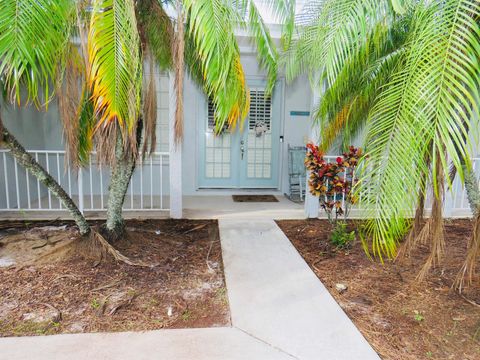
(101, 248)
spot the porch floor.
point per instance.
(223, 207)
(203, 206)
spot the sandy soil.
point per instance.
(48, 288)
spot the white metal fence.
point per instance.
(148, 190)
(456, 202)
(88, 187)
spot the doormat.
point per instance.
(254, 198)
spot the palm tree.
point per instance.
(110, 109)
(204, 42)
(46, 25)
(408, 73)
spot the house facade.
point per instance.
(250, 158)
(253, 158)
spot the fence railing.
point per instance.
(88, 187)
(456, 202)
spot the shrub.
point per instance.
(340, 236)
(332, 182)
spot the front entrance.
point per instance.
(247, 157)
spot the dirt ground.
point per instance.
(401, 318)
(46, 288)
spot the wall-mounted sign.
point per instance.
(299, 113)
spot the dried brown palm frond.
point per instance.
(413, 236)
(178, 64)
(105, 143)
(467, 271)
(150, 109)
(433, 230)
(70, 97)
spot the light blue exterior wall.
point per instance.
(40, 130)
(294, 129)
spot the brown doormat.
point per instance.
(254, 198)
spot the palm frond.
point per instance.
(210, 26)
(179, 63)
(430, 100)
(156, 31)
(86, 126)
(150, 109)
(331, 32)
(70, 98)
(115, 66)
(360, 80)
(33, 39)
(267, 53)
(284, 13)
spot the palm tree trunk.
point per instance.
(473, 193)
(29, 163)
(121, 174)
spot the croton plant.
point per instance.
(332, 182)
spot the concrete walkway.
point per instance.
(275, 297)
(280, 310)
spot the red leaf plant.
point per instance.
(332, 182)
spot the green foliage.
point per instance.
(156, 31)
(340, 236)
(409, 72)
(86, 125)
(95, 304)
(418, 316)
(33, 38)
(213, 56)
(114, 73)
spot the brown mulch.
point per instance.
(49, 290)
(401, 318)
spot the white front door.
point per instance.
(246, 157)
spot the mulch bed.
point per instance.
(400, 317)
(67, 293)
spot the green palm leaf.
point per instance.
(33, 39)
(344, 106)
(115, 63)
(156, 31)
(267, 53)
(331, 32)
(210, 28)
(432, 99)
(284, 12)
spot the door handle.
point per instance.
(242, 148)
